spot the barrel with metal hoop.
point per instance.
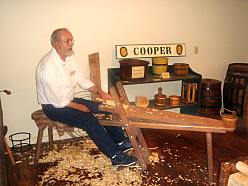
(210, 102)
(235, 84)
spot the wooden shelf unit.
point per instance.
(192, 77)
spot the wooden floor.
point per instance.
(183, 153)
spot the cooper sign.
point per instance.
(150, 50)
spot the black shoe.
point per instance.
(122, 159)
(125, 146)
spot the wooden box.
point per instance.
(133, 69)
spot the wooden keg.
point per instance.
(235, 84)
(210, 101)
(159, 65)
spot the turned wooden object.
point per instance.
(160, 99)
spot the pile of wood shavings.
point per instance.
(154, 158)
(77, 165)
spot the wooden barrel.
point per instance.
(181, 69)
(245, 108)
(159, 65)
(235, 84)
(210, 101)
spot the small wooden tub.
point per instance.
(174, 100)
(181, 69)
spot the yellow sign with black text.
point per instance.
(150, 50)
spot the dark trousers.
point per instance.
(105, 138)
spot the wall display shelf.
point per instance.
(191, 78)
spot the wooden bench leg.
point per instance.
(142, 144)
(38, 146)
(137, 150)
(210, 158)
(50, 137)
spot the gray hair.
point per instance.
(55, 34)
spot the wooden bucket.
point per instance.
(159, 65)
(181, 69)
(210, 101)
(235, 85)
(229, 120)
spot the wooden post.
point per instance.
(95, 73)
(3, 176)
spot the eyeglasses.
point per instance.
(68, 42)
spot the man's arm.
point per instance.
(84, 108)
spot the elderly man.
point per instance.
(56, 77)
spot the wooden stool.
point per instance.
(42, 122)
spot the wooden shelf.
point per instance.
(192, 77)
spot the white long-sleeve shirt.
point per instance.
(56, 79)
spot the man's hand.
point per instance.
(99, 92)
(105, 95)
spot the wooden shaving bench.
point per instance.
(133, 119)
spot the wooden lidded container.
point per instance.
(133, 69)
(159, 65)
(181, 69)
(160, 99)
